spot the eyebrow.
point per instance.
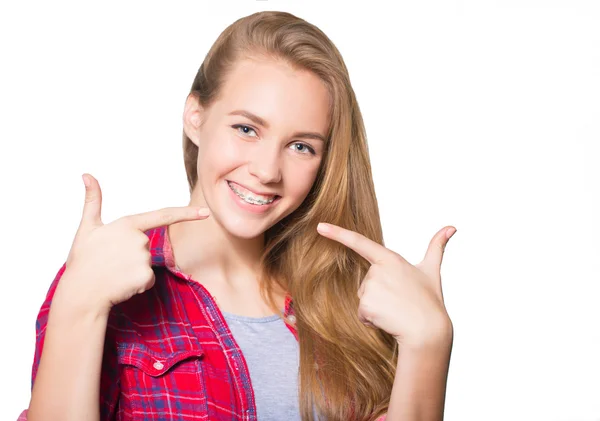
(262, 122)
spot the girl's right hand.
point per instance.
(109, 264)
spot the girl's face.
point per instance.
(260, 145)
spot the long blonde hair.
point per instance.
(346, 369)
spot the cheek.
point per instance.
(219, 155)
(299, 179)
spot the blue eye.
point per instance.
(243, 126)
(304, 148)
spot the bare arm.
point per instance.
(67, 385)
(406, 301)
(108, 265)
(419, 387)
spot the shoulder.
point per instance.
(159, 317)
(156, 305)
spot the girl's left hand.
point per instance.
(404, 300)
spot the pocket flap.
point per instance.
(152, 362)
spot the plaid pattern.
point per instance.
(169, 354)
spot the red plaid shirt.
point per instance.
(169, 354)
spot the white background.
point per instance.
(480, 114)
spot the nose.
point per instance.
(264, 163)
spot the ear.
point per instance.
(192, 117)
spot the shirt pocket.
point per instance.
(167, 385)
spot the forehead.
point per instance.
(286, 98)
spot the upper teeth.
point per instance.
(249, 197)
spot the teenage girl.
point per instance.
(271, 296)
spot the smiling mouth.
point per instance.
(249, 197)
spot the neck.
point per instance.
(205, 248)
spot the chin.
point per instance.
(240, 228)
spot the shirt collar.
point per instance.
(162, 256)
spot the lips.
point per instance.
(240, 189)
(252, 206)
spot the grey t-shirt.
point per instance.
(272, 356)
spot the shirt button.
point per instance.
(292, 319)
(158, 365)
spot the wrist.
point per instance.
(68, 301)
(439, 335)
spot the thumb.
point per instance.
(93, 202)
(435, 252)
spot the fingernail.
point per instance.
(322, 227)
(203, 212)
(450, 233)
(85, 180)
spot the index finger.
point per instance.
(367, 248)
(167, 216)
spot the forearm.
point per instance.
(67, 385)
(419, 389)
